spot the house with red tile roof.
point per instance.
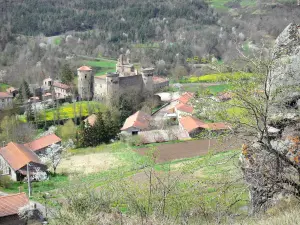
(160, 83)
(9, 208)
(40, 145)
(191, 124)
(14, 159)
(194, 126)
(61, 90)
(186, 97)
(137, 122)
(6, 100)
(182, 109)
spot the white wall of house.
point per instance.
(61, 93)
(5, 102)
(5, 169)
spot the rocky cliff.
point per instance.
(271, 164)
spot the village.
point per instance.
(174, 119)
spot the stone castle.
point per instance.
(125, 81)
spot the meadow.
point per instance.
(101, 67)
(66, 111)
(211, 170)
(217, 77)
(3, 87)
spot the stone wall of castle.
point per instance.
(100, 91)
(133, 83)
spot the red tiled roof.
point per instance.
(184, 108)
(191, 123)
(17, 155)
(157, 79)
(84, 68)
(61, 85)
(43, 142)
(138, 120)
(10, 204)
(5, 95)
(186, 97)
(91, 119)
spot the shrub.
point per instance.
(134, 140)
(6, 181)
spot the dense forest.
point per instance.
(178, 30)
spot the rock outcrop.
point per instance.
(271, 165)
(286, 56)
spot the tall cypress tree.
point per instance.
(66, 74)
(26, 89)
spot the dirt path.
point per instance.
(189, 149)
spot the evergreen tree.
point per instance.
(66, 74)
(29, 113)
(26, 89)
(20, 97)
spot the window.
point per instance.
(135, 132)
(85, 76)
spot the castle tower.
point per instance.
(147, 74)
(112, 82)
(85, 83)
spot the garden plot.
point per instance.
(89, 163)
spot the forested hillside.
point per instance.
(138, 19)
(163, 34)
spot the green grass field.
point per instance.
(66, 111)
(221, 4)
(101, 67)
(217, 77)
(3, 86)
(207, 167)
(219, 88)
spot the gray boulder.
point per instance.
(286, 56)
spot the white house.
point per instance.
(14, 159)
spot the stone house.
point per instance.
(61, 90)
(6, 100)
(55, 88)
(160, 83)
(14, 159)
(137, 122)
(9, 208)
(39, 146)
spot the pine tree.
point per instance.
(29, 113)
(66, 74)
(26, 90)
(20, 97)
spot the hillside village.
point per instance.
(172, 120)
(137, 113)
